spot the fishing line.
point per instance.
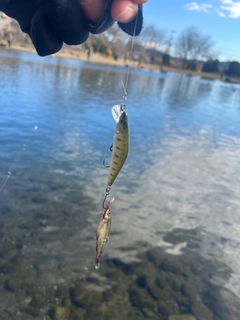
(17, 159)
(128, 69)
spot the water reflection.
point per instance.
(174, 244)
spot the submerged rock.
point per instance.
(156, 286)
(14, 284)
(61, 313)
(164, 308)
(182, 317)
(190, 289)
(31, 311)
(83, 297)
(141, 299)
(201, 311)
(77, 314)
(37, 301)
(8, 247)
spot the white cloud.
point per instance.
(220, 13)
(194, 6)
(226, 1)
(227, 8)
(233, 8)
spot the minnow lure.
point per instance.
(120, 146)
(103, 233)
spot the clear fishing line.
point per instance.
(17, 159)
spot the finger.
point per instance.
(68, 20)
(44, 40)
(139, 1)
(92, 9)
(124, 10)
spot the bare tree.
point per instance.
(192, 45)
(152, 36)
(154, 40)
(169, 41)
(119, 48)
(113, 39)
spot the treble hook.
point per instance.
(107, 193)
(104, 162)
(105, 165)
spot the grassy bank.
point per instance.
(73, 53)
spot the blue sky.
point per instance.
(218, 18)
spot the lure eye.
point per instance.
(121, 121)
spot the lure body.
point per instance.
(103, 233)
(120, 147)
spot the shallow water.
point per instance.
(175, 240)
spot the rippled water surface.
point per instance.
(175, 236)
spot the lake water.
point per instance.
(174, 246)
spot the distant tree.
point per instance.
(153, 56)
(8, 36)
(119, 48)
(166, 59)
(191, 65)
(169, 40)
(191, 45)
(211, 66)
(109, 52)
(98, 43)
(113, 39)
(88, 44)
(234, 69)
(138, 52)
(152, 36)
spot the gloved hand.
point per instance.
(49, 23)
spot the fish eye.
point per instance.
(121, 121)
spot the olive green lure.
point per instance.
(120, 147)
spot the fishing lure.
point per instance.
(103, 233)
(119, 150)
(120, 144)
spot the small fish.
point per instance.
(120, 147)
(103, 233)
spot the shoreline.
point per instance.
(72, 53)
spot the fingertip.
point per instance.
(140, 1)
(92, 9)
(125, 13)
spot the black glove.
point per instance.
(49, 23)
